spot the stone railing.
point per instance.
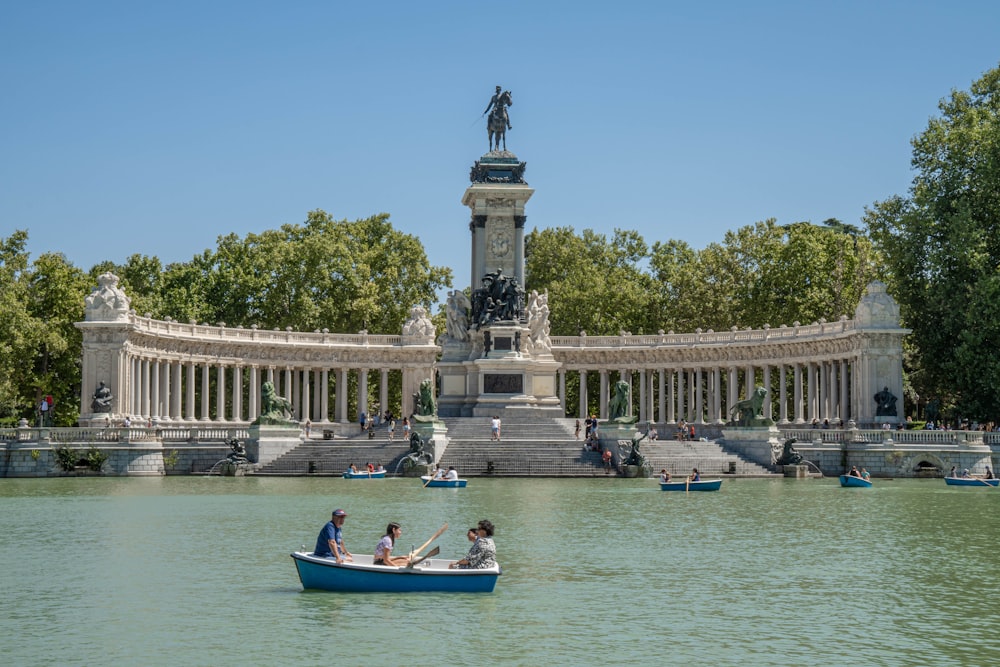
(205, 332)
(123, 435)
(745, 336)
(876, 436)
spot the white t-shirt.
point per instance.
(452, 474)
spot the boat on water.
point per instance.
(362, 576)
(971, 481)
(683, 485)
(364, 474)
(851, 480)
(428, 481)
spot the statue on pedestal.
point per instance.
(102, 399)
(499, 121)
(885, 403)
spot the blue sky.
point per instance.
(155, 127)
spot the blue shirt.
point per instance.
(329, 532)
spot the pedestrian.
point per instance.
(406, 428)
(495, 428)
(576, 430)
(392, 429)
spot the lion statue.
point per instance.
(274, 409)
(619, 406)
(789, 455)
(424, 403)
(749, 410)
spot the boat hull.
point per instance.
(703, 485)
(970, 481)
(851, 480)
(364, 475)
(443, 483)
(362, 576)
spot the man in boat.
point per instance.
(451, 475)
(331, 539)
(664, 476)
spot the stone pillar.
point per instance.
(643, 412)
(304, 396)
(324, 401)
(717, 395)
(176, 391)
(798, 394)
(147, 384)
(238, 393)
(782, 396)
(844, 406)
(383, 389)
(189, 392)
(287, 384)
(205, 391)
(220, 393)
(253, 394)
(342, 396)
(732, 393)
(154, 385)
(363, 406)
(584, 408)
(661, 399)
(603, 408)
(671, 403)
(562, 390)
(316, 396)
(766, 374)
(681, 411)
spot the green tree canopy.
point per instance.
(942, 246)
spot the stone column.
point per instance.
(205, 391)
(220, 393)
(383, 389)
(844, 406)
(782, 396)
(238, 393)
(643, 412)
(699, 403)
(147, 384)
(798, 394)
(671, 403)
(253, 394)
(176, 391)
(584, 408)
(732, 393)
(717, 395)
(189, 392)
(164, 390)
(342, 395)
(317, 394)
(154, 385)
(287, 384)
(562, 390)
(811, 392)
(324, 400)
(681, 412)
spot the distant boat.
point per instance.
(970, 481)
(364, 474)
(683, 485)
(427, 481)
(362, 576)
(851, 480)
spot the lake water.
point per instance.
(196, 571)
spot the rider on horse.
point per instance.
(499, 108)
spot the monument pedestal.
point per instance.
(759, 444)
(268, 442)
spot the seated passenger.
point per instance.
(383, 551)
(452, 474)
(354, 468)
(989, 473)
(965, 473)
(695, 475)
(664, 476)
(854, 472)
(483, 553)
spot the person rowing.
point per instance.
(383, 551)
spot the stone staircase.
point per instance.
(532, 448)
(537, 448)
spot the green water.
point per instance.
(195, 571)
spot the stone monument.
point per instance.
(496, 352)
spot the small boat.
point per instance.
(683, 485)
(970, 481)
(427, 481)
(364, 474)
(362, 576)
(851, 480)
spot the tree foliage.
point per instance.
(942, 246)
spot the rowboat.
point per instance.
(851, 480)
(426, 480)
(970, 481)
(702, 485)
(362, 576)
(364, 474)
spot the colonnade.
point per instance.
(797, 392)
(188, 391)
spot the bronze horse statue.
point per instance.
(497, 123)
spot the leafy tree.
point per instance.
(18, 329)
(942, 244)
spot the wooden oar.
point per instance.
(430, 554)
(980, 479)
(430, 478)
(428, 542)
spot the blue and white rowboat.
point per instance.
(851, 480)
(682, 485)
(364, 475)
(443, 483)
(361, 576)
(970, 481)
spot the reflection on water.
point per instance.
(195, 571)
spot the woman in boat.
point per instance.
(695, 475)
(354, 468)
(953, 472)
(483, 553)
(664, 476)
(854, 472)
(383, 551)
(865, 475)
(989, 473)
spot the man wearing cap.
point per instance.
(331, 539)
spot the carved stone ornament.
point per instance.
(499, 245)
(419, 325)
(107, 303)
(877, 310)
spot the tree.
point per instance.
(18, 329)
(942, 245)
